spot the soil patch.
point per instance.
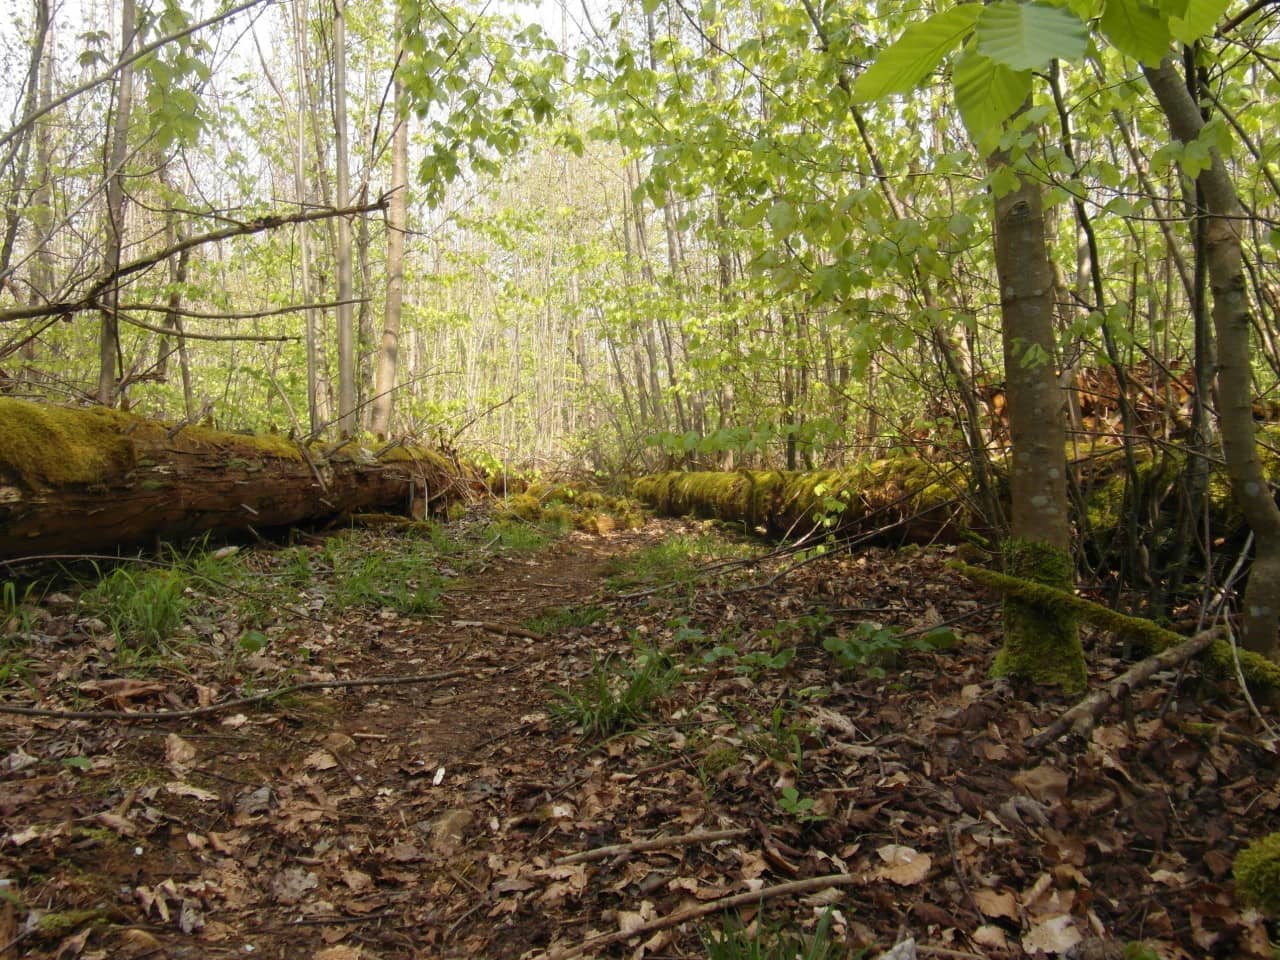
(830, 718)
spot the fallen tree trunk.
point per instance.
(83, 480)
(899, 500)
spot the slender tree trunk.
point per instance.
(311, 318)
(397, 220)
(35, 85)
(1231, 321)
(109, 333)
(41, 212)
(1039, 645)
(342, 186)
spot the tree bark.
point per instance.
(342, 255)
(109, 333)
(1040, 645)
(1231, 321)
(384, 381)
(85, 480)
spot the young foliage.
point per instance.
(616, 697)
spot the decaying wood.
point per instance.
(80, 480)
(1081, 718)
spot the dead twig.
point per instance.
(506, 629)
(1084, 714)
(655, 843)
(164, 715)
(593, 944)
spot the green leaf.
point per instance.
(988, 94)
(1137, 29)
(649, 6)
(1199, 19)
(904, 63)
(1026, 36)
(782, 217)
(77, 763)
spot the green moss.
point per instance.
(1257, 874)
(717, 760)
(1260, 672)
(1041, 640)
(61, 923)
(50, 446)
(44, 446)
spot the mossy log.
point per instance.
(1258, 671)
(83, 480)
(902, 499)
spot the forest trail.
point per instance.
(784, 743)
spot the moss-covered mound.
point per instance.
(904, 498)
(575, 506)
(1257, 874)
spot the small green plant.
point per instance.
(16, 608)
(15, 668)
(400, 575)
(679, 559)
(871, 648)
(733, 942)
(616, 697)
(798, 807)
(143, 607)
(554, 619)
(685, 634)
(297, 566)
(520, 537)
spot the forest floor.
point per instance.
(651, 743)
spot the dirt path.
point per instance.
(805, 718)
(355, 821)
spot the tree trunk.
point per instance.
(1231, 321)
(35, 96)
(85, 480)
(1040, 645)
(384, 382)
(342, 255)
(109, 334)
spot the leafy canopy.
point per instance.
(1002, 44)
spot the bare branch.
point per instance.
(90, 300)
(119, 65)
(255, 315)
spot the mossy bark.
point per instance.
(1041, 640)
(906, 500)
(1261, 674)
(93, 479)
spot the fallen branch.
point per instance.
(1081, 718)
(506, 629)
(655, 843)
(1257, 669)
(163, 715)
(813, 884)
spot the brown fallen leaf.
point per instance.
(903, 865)
(1045, 783)
(997, 903)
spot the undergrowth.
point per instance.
(680, 559)
(734, 941)
(616, 696)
